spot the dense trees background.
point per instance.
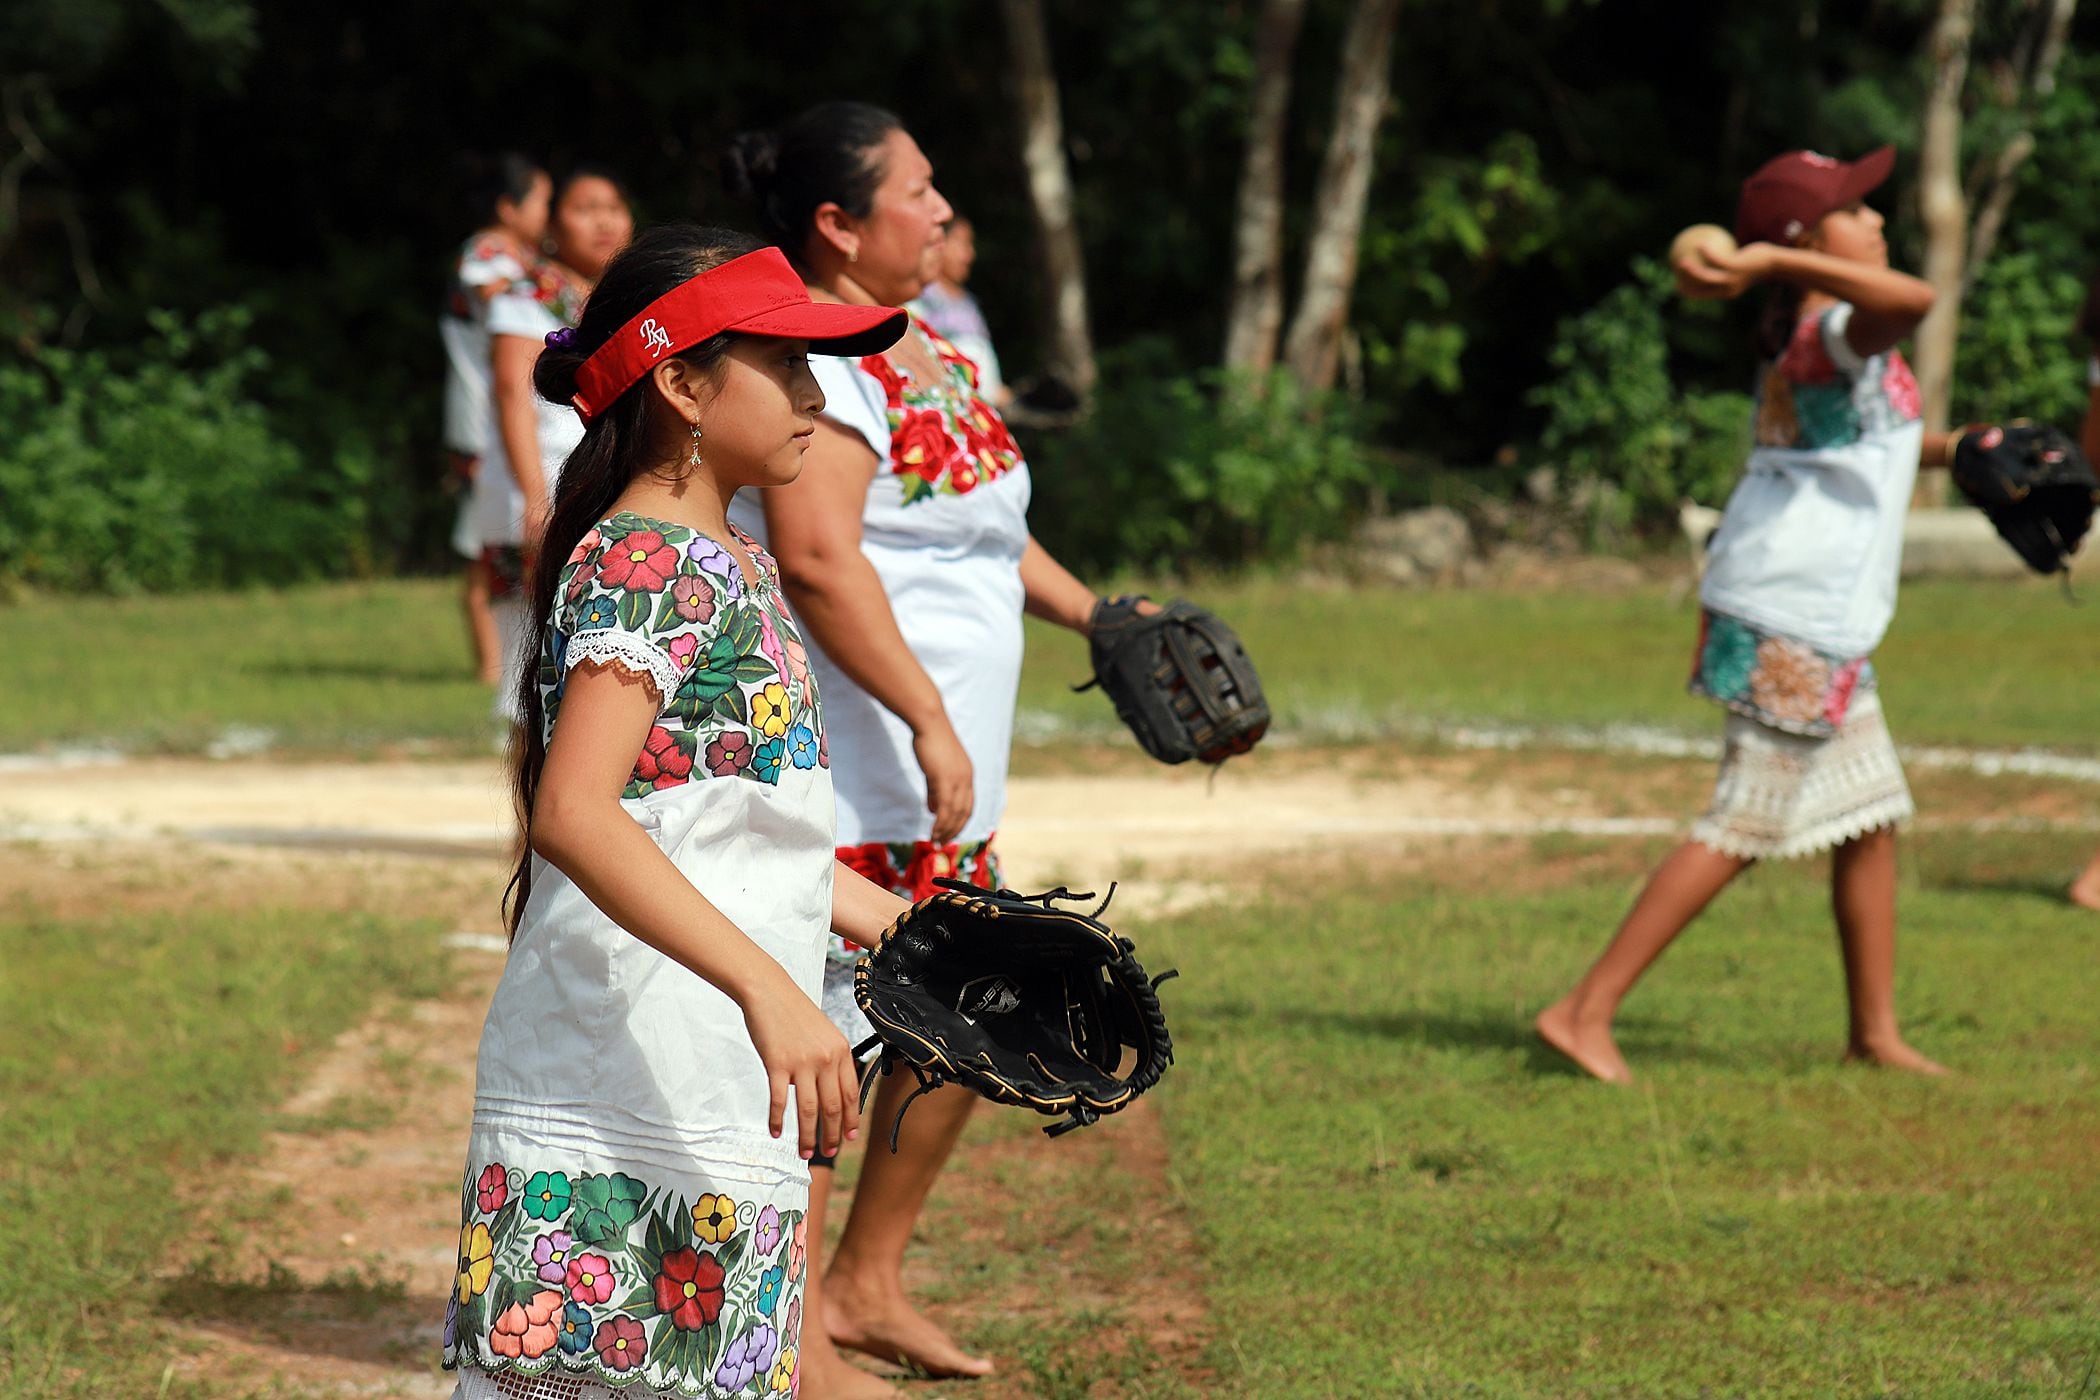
(224, 227)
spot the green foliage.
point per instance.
(1615, 418)
(157, 470)
(1211, 470)
(2016, 356)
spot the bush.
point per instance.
(157, 470)
(2017, 358)
(1171, 471)
(1615, 419)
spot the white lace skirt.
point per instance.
(1782, 795)
(476, 1385)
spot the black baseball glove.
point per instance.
(1022, 1001)
(1179, 678)
(2034, 484)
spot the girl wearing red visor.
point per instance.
(1799, 587)
(655, 1067)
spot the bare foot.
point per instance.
(1588, 1044)
(828, 1376)
(2085, 890)
(886, 1326)
(1894, 1054)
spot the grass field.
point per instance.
(1400, 1194)
(363, 667)
(140, 1058)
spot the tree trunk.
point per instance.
(1946, 215)
(1312, 349)
(1034, 86)
(1256, 314)
(2036, 79)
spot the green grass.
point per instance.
(357, 667)
(1400, 1195)
(140, 1060)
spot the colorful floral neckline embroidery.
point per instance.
(604, 1276)
(944, 439)
(1805, 401)
(1779, 682)
(663, 600)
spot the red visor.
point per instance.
(756, 294)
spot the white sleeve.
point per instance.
(1835, 320)
(854, 400)
(512, 313)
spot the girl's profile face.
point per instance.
(591, 223)
(526, 219)
(763, 414)
(1853, 233)
(900, 240)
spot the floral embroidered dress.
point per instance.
(486, 267)
(546, 299)
(1801, 578)
(626, 1220)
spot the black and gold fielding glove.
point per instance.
(1179, 678)
(1016, 998)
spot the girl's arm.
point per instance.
(1053, 594)
(860, 908)
(511, 359)
(580, 827)
(1886, 304)
(813, 530)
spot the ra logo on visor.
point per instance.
(655, 339)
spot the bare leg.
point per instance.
(1579, 1024)
(825, 1374)
(2085, 890)
(865, 1307)
(481, 624)
(1863, 895)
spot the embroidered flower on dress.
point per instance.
(765, 763)
(729, 753)
(688, 1289)
(1789, 681)
(769, 1289)
(747, 1358)
(550, 1255)
(784, 1374)
(693, 597)
(766, 1234)
(664, 763)
(798, 1250)
(1728, 658)
(621, 1343)
(802, 746)
(526, 1329)
(714, 1219)
(575, 1329)
(547, 1195)
(589, 1278)
(682, 648)
(769, 710)
(476, 1261)
(639, 563)
(493, 1189)
(1842, 684)
(599, 612)
(1900, 387)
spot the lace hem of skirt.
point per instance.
(508, 1385)
(1780, 795)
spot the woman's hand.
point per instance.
(803, 1051)
(1723, 275)
(951, 783)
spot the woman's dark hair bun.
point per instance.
(750, 162)
(554, 372)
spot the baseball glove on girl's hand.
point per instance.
(2034, 484)
(1179, 678)
(1011, 996)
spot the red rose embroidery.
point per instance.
(663, 763)
(922, 445)
(1807, 360)
(892, 382)
(1901, 386)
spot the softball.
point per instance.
(1692, 245)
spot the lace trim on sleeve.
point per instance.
(609, 646)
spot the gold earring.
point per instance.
(693, 458)
(853, 255)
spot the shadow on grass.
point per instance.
(2050, 889)
(1488, 1032)
(375, 670)
(352, 1314)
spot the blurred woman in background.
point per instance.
(529, 438)
(510, 195)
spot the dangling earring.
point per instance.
(853, 255)
(693, 458)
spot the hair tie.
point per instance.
(561, 339)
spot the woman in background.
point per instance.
(590, 221)
(510, 196)
(951, 309)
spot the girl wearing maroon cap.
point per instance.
(1800, 585)
(631, 1219)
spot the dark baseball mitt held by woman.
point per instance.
(1179, 678)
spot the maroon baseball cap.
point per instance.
(1790, 193)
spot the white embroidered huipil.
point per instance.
(626, 1215)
